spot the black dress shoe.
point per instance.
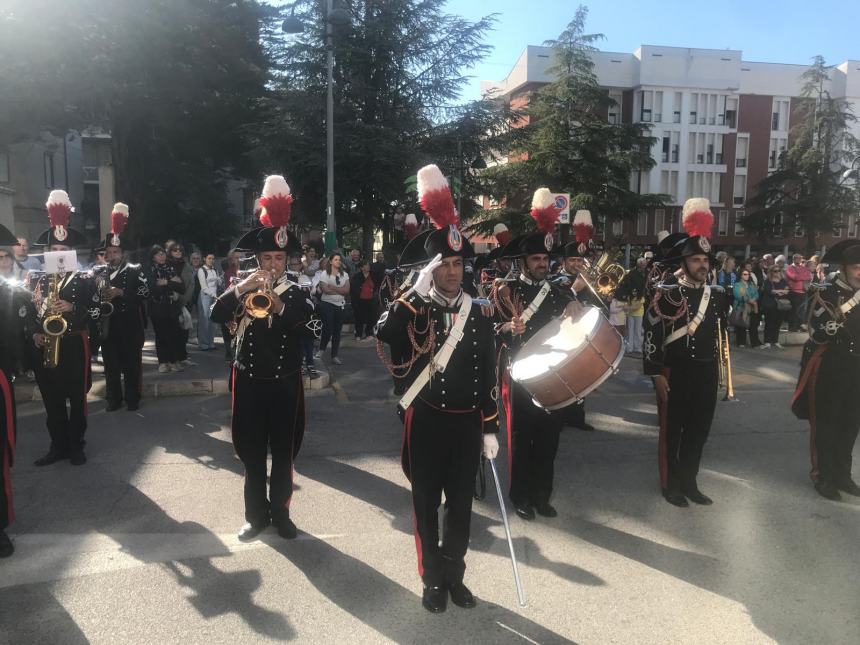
(461, 596)
(132, 407)
(6, 546)
(249, 531)
(828, 490)
(286, 529)
(696, 496)
(51, 458)
(525, 511)
(113, 407)
(850, 487)
(675, 497)
(435, 599)
(78, 459)
(546, 509)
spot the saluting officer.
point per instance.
(525, 306)
(70, 379)
(827, 390)
(16, 307)
(449, 408)
(122, 331)
(680, 354)
(268, 394)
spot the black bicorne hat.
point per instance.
(536, 243)
(413, 253)
(844, 252)
(448, 242)
(71, 238)
(6, 237)
(267, 239)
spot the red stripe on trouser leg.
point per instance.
(407, 429)
(233, 405)
(506, 404)
(662, 441)
(8, 403)
(87, 367)
(813, 452)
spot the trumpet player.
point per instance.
(125, 290)
(680, 355)
(268, 394)
(64, 377)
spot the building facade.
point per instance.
(720, 124)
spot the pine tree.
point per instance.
(808, 190)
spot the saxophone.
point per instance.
(54, 325)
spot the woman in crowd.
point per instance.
(333, 286)
(746, 306)
(230, 269)
(363, 293)
(775, 306)
(8, 268)
(183, 269)
(210, 283)
(165, 291)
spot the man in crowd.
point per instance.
(798, 278)
(22, 256)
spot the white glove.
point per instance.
(491, 446)
(425, 277)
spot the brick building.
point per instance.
(720, 124)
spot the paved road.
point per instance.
(138, 546)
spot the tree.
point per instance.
(808, 190)
(570, 146)
(398, 70)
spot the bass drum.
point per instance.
(568, 359)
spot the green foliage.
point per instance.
(807, 189)
(568, 144)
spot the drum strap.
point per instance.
(848, 305)
(690, 328)
(440, 361)
(535, 304)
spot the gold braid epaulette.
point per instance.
(417, 350)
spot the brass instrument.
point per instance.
(724, 356)
(604, 276)
(102, 276)
(53, 324)
(258, 304)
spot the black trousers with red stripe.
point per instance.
(265, 417)
(836, 417)
(122, 349)
(64, 393)
(442, 452)
(532, 447)
(7, 449)
(685, 421)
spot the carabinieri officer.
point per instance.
(268, 393)
(449, 408)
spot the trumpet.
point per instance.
(258, 304)
(54, 326)
(724, 357)
(604, 276)
(102, 276)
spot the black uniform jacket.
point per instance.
(657, 327)
(135, 291)
(469, 380)
(266, 352)
(522, 292)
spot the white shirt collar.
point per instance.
(529, 281)
(445, 301)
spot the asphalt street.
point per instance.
(138, 545)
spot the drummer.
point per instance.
(527, 304)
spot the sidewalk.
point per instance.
(208, 376)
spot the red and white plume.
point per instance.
(503, 235)
(544, 210)
(697, 217)
(410, 226)
(435, 197)
(118, 221)
(59, 212)
(583, 226)
(276, 202)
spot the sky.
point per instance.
(777, 31)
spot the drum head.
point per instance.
(558, 341)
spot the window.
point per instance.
(723, 229)
(642, 224)
(646, 98)
(739, 223)
(740, 190)
(617, 227)
(731, 116)
(798, 228)
(852, 226)
(675, 151)
(4, 167)
(666, 140)
(774, 124)
(709, 155)
(49, 170)
(692, 117)
(658, 106)
(776, 229)
(837, 227)
(741, 152)
(659, 220)
(676, 116)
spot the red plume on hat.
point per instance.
(118, 221)
(59, 208)
(276, 202)
(410, 226)
(544, 210)
(583, 226)
(435, 197)
(503, 235)
(697, 217)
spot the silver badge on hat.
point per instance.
(281, 237)
(704, 244)
(455, 239)
(548, 242)
(60, 233)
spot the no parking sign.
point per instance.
(562, 202)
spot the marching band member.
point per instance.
(526, 305)
(826, 392)
(449, 408)
(268, 393)
(680, 354)
(122, 332)
(78, 303)
(16, 307)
